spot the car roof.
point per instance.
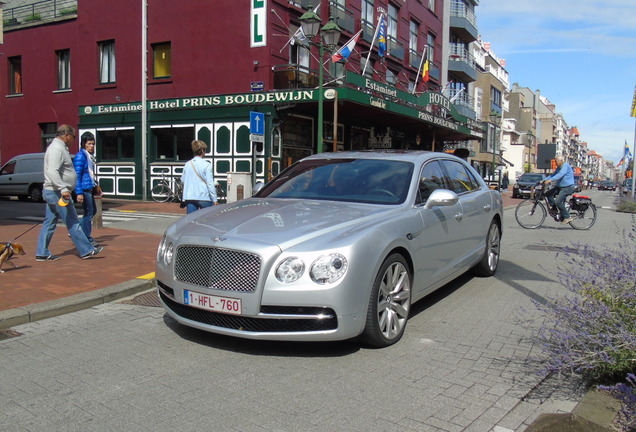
(400, 155)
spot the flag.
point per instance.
(382, 36)
(633, 113)
(627, 155)
(299, 36)
(345, 51)
(425, 76)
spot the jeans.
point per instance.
(55, 212)
(89, 211)
(193, 206)
(561, 194)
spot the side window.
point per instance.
(459, 179)
(8, 168)
(431, 178)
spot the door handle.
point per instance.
(459, 217)
(487, 207)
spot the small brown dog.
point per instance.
(7, 250)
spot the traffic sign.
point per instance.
(257, 123)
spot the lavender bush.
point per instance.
(626, 393)
(593, 331)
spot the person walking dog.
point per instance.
(59, 179)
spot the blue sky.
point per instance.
(581, 55)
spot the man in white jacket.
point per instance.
(59, 181)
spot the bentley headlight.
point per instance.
(168, 253)
(161, 249)
(328, 268)
(290, 270)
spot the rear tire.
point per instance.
(583, 220)
(530, 216)
(161, 193)
(490, 261)
(389, 304)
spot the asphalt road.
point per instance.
(467, 362)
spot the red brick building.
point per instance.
(209, 65)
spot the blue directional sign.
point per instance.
(257, 123)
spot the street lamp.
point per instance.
(495, 118)
(310, 24)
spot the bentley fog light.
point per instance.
(290, 270)
(328, 268)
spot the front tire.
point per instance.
(490, 261)
(530, 214)
(390, 303)
(35, 193)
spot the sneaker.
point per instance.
(92, 253)
(567, 221)
(93, 243)
(47, 258)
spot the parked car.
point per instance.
(336, 246)
(23, 176)
(524, 184)
(607, 185)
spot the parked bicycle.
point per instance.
(531, 213)
(167, 189)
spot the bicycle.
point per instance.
(531, 213)
(164, 191)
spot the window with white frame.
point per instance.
(63, 69)
(431, 5)
(391, 77)
(414, 33)
(430, 51)
(368, 12)
(107, 62)
(392, 27)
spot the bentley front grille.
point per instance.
(217, 268)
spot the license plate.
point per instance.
(212, 303)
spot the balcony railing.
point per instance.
(39, 12)
(460, 10)
(293, 76)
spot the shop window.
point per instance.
(162, 60)
(15, 75)
(107, 63)
(115, 145)
(48, 132)
(173, 143)
(63, 69)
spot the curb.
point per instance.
(40, 311)
(594, 413)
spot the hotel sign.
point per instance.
(258, 23)
(205, 102)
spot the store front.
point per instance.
(366, 114)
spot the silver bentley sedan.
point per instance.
(337, 246)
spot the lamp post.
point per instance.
(330, 33)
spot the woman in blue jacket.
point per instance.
(86, 169)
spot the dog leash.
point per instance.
(9, 244)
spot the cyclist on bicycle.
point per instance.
(564, 179)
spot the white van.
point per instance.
(23, 176)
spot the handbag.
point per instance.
(97, 190)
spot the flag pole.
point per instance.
(634, 161)
(417, 77)
(375, 35)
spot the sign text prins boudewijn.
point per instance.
(204, 101)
